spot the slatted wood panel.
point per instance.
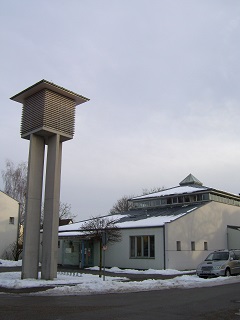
(46, 111)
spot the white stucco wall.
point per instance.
(8, 232)
(118, 254)
(208, 223)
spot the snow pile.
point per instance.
(84, 284)
(8, 263)
(149, 271)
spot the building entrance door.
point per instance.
(87, 257)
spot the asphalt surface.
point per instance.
(211, 303)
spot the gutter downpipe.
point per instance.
(18, 222)
(164, 248)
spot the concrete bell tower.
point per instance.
(48, 118)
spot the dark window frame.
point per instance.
(205, 246)
(142, 247)
(11, 220)
(193, 246)
(179, 245)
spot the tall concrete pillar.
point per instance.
(33, 207)
(51, 209)
(48, 117)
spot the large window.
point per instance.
(142, 247)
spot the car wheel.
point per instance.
(227, 272)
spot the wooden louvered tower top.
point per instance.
(48, 109)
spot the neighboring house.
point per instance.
(9, 210)
(63, 222)
(174, 228)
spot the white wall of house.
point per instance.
(206, 224)
(8, 221)
(118, 253)
(205, 227)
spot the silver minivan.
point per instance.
(220, 263)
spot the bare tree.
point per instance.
(15, 183)
(65, 211)
(102, 229)
(122, 205)
(152, 190)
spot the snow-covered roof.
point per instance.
(187, 186)
(172, 191)
(136, 219)
(154, 216)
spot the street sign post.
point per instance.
(104, 248)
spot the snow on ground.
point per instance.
(85, 284)
(149, 271)
(8, 263)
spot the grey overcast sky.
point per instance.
(163, 77)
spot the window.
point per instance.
(193, 245)
(139, 246)
(142, 247)
(205, 245)
(178, 245)
(152, 246)
(163, 201)
(205, 196)
(180, 199)
(175, 200)
(11, 220)
(199, 197)
(145, 246)
(132, 246)
(169, 200)
(237, 254)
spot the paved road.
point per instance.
(214, 303)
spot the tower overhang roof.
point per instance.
(44, 84)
